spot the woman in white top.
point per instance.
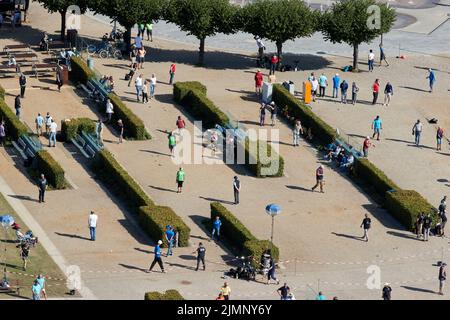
(152, 86)
(314, 87)
(109, 110)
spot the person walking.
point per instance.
(236, 189)
(172, 142)
(141, 57)
(375, 91)
(99, 131)
(355, 90)
(226, 291)
(314, 87)
(366, 145)
(180, 179)
(181, 124)
(109, 110)
(53, 129)
(371, 60)
(344, 88)
(22, 84)
(336, 85)
(442, 277)
(170, 238)
(39, 121)
(145, 92)
(2, 133)
(41, 281)
(149, 29)
(92, 224)
(42, 186)
(427, 222)
(121, 129)
(388, 93)
(443, 206)
(262, 114)
(366, 226)
(138, 85)
(271, 272)
(59, 81)
(258, 82)
(36, 290)
(323, 83)
(431, 79)
(296, 133)
(261, 48)
(377, 126)
(18, 106)
(284, 291)
(386, 292)
(383, 56)
(157, 258)
(152, 86)
(172, 70)
(439, 136)
(419, 224)
(201, 251)
(48, 122)
(319, 179)
(417, 132)
(273, 64)
(216, 228)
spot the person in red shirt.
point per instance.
(273, 64)
(375, 90)
(258, 81)
(180, 124)
(366, 145)
(172, 73)
(319, 179)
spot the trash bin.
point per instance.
(64, 74)
(90, 63)
(267, 92)
(289, 86)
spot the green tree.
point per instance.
(202, 18)
(61, 6)
(278, 20)
(129, 12)
(355, 22)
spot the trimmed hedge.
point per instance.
(181, 89)
(260, 164)
(406, 205)
(71, 127)
(134, 127)
(51, 169)
(14, 127)
(80, 72)
(298, 110)
(239, 236)
(2, 93)
(366, 170)
(154, 220)
(168, 295)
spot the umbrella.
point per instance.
(273, 209)
(6, 220)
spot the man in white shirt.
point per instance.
(138, 85)
(371, 60)
(261, 47)
(417, 131)
(152, 86)
(109, 109)
(92, 223)
(53, 128)
(48, 122)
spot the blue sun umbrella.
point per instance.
(273, 209)
(6, 220)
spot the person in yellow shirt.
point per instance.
(226, 291)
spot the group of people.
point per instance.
(336, 152)
(424, 222)
(272, 108)
(50, 128)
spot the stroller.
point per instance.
(28, 237)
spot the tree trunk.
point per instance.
(63, 24)
(279, 49)
(201, 52)
(355, 57)
(127, 40)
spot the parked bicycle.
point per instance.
(107, 50)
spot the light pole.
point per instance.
(272, 210)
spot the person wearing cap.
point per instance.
(336, 84)
(236, 189)
(386, 292)
(366, 145)
(319, 179)
(366, 226)
(180, 179)
(258, 82)
(442, 277)
(92, 223)
(157, 258)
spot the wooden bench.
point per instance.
(98, 88)
(79, 142)
(17, 47)
(8, 70)
(44, 68)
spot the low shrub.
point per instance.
(181, 89)
(13, 126)
(168, 295)
(51, 169)
(259, 159)
(367, 171)
(71, 127)
(154, 220)
(80, 72)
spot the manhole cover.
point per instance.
(186, 282)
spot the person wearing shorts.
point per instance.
(180, 179)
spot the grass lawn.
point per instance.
(39, 261)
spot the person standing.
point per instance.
(172, 73)
(48, 122)
(261, 48)
(355, 90)
(427, 222)
(314, 87)
(273, 113)
(375, 90)
(284, 291)
(157, 258)
(296, 133)
(386, 292)
(439, 136)
(53, 129)
(442, 277)
(271, 272)
(262, 114)
(141, 57)
(320, 296)
(172, 142)
(181, 124)
(41, 281)
(149, 29)
(138, 86)
(36, 290)
(216, 228)
(319, 179)
(145, 92)
(92, 224)
(258, 82)
(419, 224)
(443, 206)
(18, 106)
(121, 128)
(383, 55)
(323, 83)
(99, 131)
(109, 110)
(236, 189)
(226, 291)
(344, 88)
(152, 86)
(377, 126)
(170, 238)
(366, 226)
(431, 79)
(23, 85)
(366, 145)
(39, 124)
(417, 132)
(371, 59)
(2, 133)
(201, 251)
(141, 29)
(336, 85)
(388, 93)
(273, 64)
(42, 186)
(180, 179)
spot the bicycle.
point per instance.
(106, 51)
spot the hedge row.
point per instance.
(168, 295)
(80, 72)
(192, 95)
(14, 127)
(71, 127)
(367, 171)
(239, 236)
(51, 169)
(152, 218)
(2, 93)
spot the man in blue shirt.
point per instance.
(138, 42)
(36, 290)
(157, 258)
(432, 78)
(336, 82)
(323, 83)
(216, 228)
(377, 126)
(39, 124)
(170, 238)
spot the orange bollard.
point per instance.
(307, 92)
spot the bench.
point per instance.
(8, 70)
(11, 289)
(98, 88)
(348, 148)
(87, 144)
(27, 147)
(44, 68)
(17, 47)
(79, 142)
